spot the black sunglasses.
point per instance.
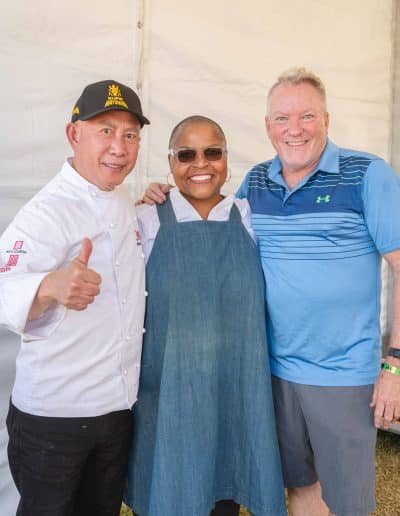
(189, 155)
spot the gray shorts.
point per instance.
(327, 434)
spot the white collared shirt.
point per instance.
(149, 223)
(75, 363)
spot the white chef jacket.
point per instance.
(75, 363)
(149, 223)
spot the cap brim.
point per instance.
(142, 119)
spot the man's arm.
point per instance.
(155, 193)
(386, 396)
(74, 286)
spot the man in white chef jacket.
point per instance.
(72, 285)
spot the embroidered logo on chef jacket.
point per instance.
(14, 256)
(115, 97)
(138, 239)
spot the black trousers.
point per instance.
(69, 466)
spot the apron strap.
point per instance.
(235, 214)
(166, 213)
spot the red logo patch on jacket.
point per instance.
(13, 258)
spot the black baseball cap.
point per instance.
(103, 96)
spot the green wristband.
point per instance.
(391, 369)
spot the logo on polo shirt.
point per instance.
(115, 97)
(323, 198)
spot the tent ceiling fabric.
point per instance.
(215, 58)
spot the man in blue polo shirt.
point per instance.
(323, 217)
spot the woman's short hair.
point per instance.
(194, 119)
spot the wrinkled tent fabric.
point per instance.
(216, 58)
(9, 347)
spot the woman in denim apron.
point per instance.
(204, 431)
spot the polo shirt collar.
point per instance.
(329, 162)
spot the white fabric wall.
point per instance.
(212, 57)
(49, 51)
(218, 58)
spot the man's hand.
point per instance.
(386, 399)
(155, 193)
(74, 286)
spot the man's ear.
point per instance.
(267, 124)
(72, 132)
(326, 120)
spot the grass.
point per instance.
(387, 474)
(387, 477)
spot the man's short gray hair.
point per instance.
(298, 75)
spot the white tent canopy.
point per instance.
(215, 58)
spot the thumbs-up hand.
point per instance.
(77, 285)
(86, 251)
(74, 286)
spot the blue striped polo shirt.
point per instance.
(320, 246)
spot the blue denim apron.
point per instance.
(204, 425)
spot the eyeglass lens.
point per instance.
(210, 154)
